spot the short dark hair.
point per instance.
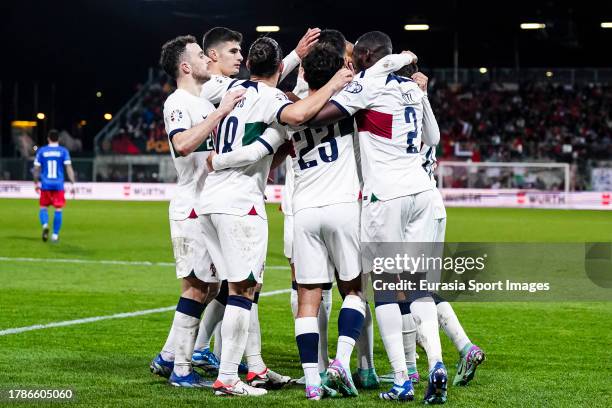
(53, 135)
(334, 38)
(218, 35)
(265, 56)
(377, 42)
(408, 70)
(171, 53)
(320, 65)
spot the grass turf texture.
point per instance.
(543, 354)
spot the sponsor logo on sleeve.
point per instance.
(176, 114)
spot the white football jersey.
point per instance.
(214, 89)
(428, 154)
(325, 167)
(287, 200)
(183, 111)
(389, 114)
(240, 191)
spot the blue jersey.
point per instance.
(51, 160)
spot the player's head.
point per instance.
(265, 58)
(333, 38)
(320, 65)
(408, 70)
(53, 136)
(182, 57)
(369, 48)
(222, 46)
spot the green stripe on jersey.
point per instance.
(206, 146)
(252, 131)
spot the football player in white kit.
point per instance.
(232, 209)
(223, 46)
(396, 196)
(189, 121)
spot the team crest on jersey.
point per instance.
(281, 97)
(176, 114)
(353, 87)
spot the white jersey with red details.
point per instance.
(240, 191)
(325, 167)
(183, 111)
(389, 114)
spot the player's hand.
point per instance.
(415, 59)
(421, 79)
(230, 100)
(341, 78)
(72, 190)
(37, 188)
(209, 160)
(307, 42)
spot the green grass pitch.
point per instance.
(544, 354)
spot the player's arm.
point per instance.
(36, 175)
(188, 140)
(268, 143)
(293, 59)
(214, 89)
(303, 110)
(431, 131)
(70, 173)
(391, 63)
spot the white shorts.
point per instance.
(190, 253)
(402, 219)
(288, 236)
(326, 239)
(237, 245)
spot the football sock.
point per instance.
(451, 326)
(218, 345)
(294, 299)
(409, 332)
(365, 343)
(221, 298)
(425, 315)
(350, 322)
(185, 325)
(43, 215)
(57, 222)
(389, 321)
(212, 316)
(307, 339)
(324, 313)
(234, 330)
(252, 351)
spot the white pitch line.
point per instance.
(108, 317)
(105, 262)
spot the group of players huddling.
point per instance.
(357, 136)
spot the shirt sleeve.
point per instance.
(266, 144)
(356, 95)
(301, 88)
(215, 88)
(67, 159)
(275, 105)
(431, 131)
(176, 117)
(290, 62)
(389, 64)
(37, 159)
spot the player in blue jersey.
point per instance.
(49, 169)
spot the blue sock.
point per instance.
(43, 215)
(57, 222)
(350, 321)
(307, 339)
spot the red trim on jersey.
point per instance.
(193, 214)
(377, 123)
(52, 197)
(253, 211)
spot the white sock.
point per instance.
(54, 236)
(425, 316)
(185, 327)
(168, 351)
(365, 343)
(234, 331)
(218, 344)
(409, 332)
(350, 322)
(389, 321)
(213, 314)
(252, 351)
(294, 303)
(323, 318)
(451, 326)
(45, 225)
(306, 335)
